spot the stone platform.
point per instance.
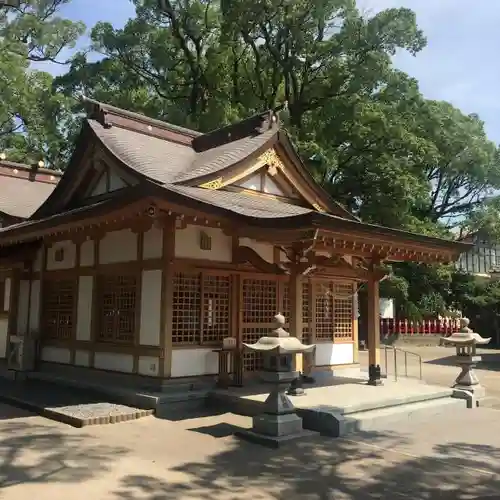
(166, 399)
(345, 405)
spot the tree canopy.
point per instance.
(362, 126)
(33, 118)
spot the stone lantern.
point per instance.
(467, 384)
(279, 422)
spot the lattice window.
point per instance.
(186, 314)
(58, 304)
(201, 308)
(343, 318)
(216, 308)
(306, 313)
(285, 310)
(259, 300)
(117, 306)
(324, 311)
(252, 361)
(305, 308)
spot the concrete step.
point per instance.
(177, 407)
(335, 423)
(175, 396)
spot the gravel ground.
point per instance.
(74, 407)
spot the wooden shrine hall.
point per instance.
(159, 242)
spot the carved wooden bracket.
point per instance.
(244, 254)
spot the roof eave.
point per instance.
(328, 223)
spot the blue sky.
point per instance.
(459, 64)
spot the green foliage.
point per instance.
(34, 120)
(361, 126)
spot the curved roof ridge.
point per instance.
(104, 113)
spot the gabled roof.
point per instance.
(169, 155)
(24, 188)
(173, 164)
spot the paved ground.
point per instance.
(438, 368)
(199, 459)
(457, 458)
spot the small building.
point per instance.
(159, 242)
(482, 259)
(23, 189)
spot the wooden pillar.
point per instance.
(373, 321)
(169, 227)
(355, 325)
(295, 320)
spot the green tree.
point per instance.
(33, 119)
(362, 127)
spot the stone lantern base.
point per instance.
(467, 384)
(279, 423)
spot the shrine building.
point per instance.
(158, 242)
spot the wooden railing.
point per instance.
(443, 327)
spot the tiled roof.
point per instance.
(157, 159)
(169, 162)
(215, 159)
(242, 204)
(21, 197)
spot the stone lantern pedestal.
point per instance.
(467, 384)
(279, 422)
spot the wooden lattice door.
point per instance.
(117, 308)
(259, 305)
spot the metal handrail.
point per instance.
(395, 350)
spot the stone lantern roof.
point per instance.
(278, 341)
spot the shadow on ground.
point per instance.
(327, 469)
(42, 454)
(490, 361)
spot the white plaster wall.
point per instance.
(265, 250)
(56, 354)
(82, 358)
(22, 309)
(148, 365)
(187, 244)
(87, 253)
(114, 361)
(328, 353)
(69, 259)
(191, 362)
(84, 311)
(6, 297)
(150, 307)
(118, 246)
(34, 325)
(4, 325)
(153, 244)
